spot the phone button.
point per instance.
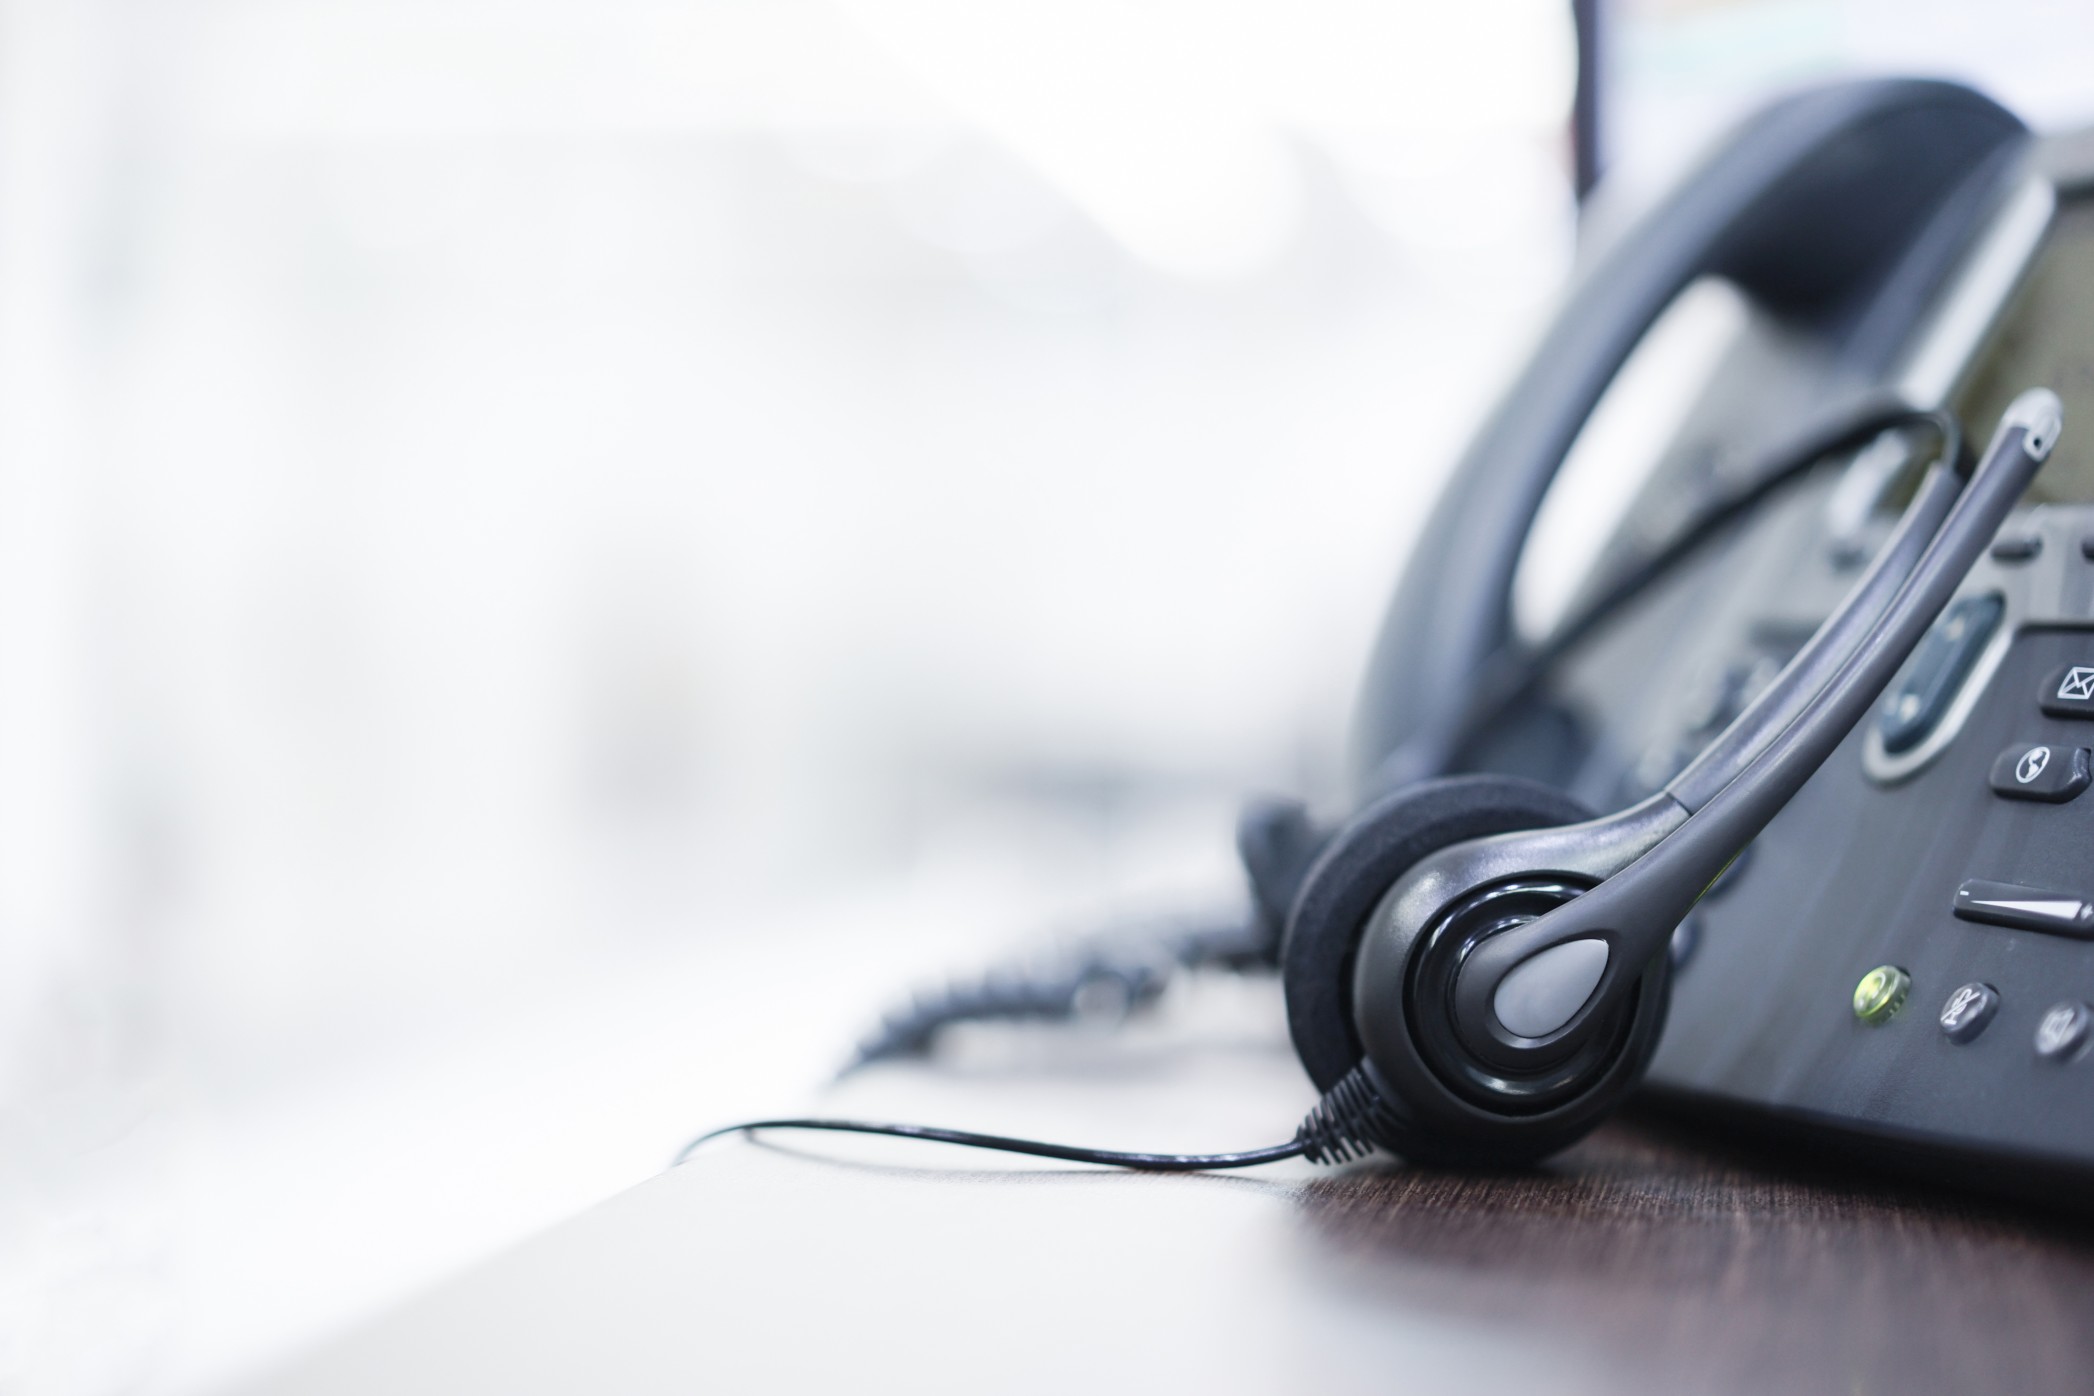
(2063, 1031)
(1922, 694)
(1880, 994)
(2040, 771)
(2069, 692)
(2026, 908)
(1968, 1011)
(2017, 547)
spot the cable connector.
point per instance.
(1351, 1121)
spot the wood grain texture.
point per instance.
(1698, 1267)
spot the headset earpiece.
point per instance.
(1357, 867)
(1447, 1098)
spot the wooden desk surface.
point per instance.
(1646, 1258)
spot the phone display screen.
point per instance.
(2045, 339)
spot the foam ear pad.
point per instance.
(1359, 865)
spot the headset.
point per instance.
(1476, 967)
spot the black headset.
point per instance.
(1475, 967)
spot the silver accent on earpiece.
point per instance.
(2039, 413)
(1544, 991)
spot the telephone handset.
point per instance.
(1814, 209)
(1511, 930)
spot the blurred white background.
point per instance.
(553, 555)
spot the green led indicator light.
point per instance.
(1881, 993)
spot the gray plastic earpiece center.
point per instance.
(1542, 993)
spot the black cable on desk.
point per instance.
(1110, 1158)
(1347, 1124)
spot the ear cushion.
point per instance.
(1359, 865)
